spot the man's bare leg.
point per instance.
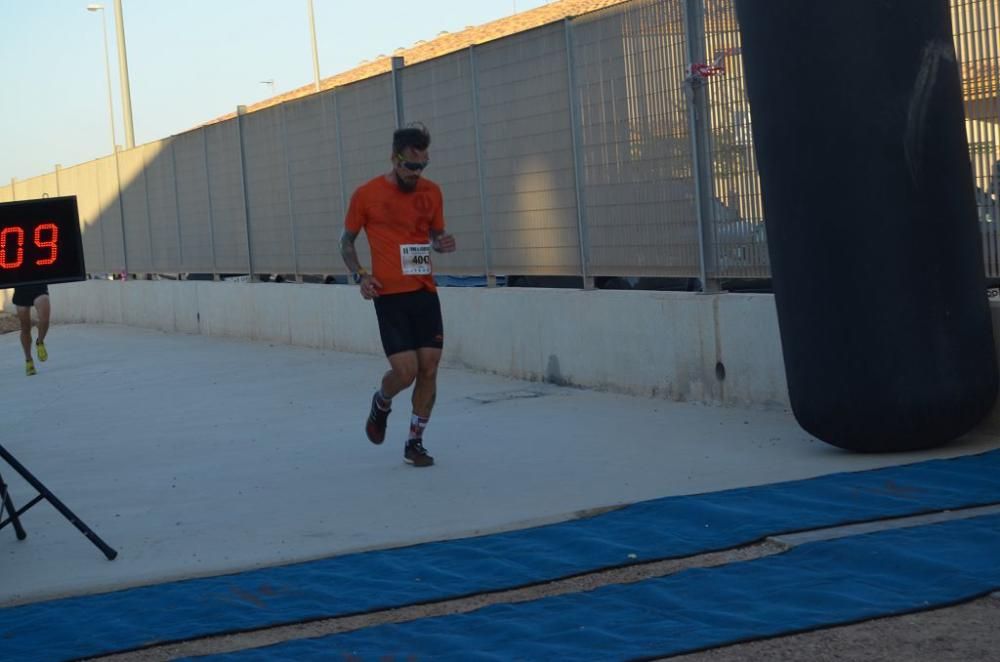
(425, 391)
(424, 395)
(24, 317)
(402, 372)
(44, 308)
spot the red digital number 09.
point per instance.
(12, 245)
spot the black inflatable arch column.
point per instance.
(871, 220)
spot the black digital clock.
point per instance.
(40, 242)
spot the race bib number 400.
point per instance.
(415, 259)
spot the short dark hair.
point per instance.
(415, 135)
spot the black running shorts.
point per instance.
(26, 295)
(409, 321)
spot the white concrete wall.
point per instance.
(660, 344)
(663, 344)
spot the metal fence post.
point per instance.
(58, 187)
(336, 146)
(177, 208)
(491, 278)
(340, 153)
(240, 112)
(397, 88)
(574, 120)
(149, 220)
(121, 215)
(288, 183)
(99, 221)
(211, 210)
(701, 154)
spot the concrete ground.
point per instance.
(197, 456)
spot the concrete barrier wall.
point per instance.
(715, 349)
(720, 349)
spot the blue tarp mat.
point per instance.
(356, 583)
(467, 281)
(816, 585)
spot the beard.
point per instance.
(404, 185)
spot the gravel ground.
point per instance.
(968, 632)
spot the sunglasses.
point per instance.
(413, 166)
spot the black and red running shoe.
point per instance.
(375, 425)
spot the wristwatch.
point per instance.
(360, 274)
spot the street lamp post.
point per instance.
(107, 71)
(114, 147)
(315, 52)
(123, 75)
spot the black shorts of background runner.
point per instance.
(26, 295)
(409, 320)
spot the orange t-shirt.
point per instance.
(398, 226)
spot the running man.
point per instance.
(402, 215)
(24, 298)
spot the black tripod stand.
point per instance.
(43, 493)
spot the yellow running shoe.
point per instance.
(29, 367)
(43, 354)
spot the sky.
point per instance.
(189, 61)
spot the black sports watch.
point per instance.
(358, 276)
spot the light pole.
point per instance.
(107, 71)
(312, 33)
(114, 147)
(123, 75)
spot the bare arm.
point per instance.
(369, 284)
(349, 253)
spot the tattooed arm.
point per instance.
(349, 253)
(369, 284)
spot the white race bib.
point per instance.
(415, 259)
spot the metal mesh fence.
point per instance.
(573, 149)
(976, 25)
(636, 142)
(441, 94)
(737, 221)
(527, 153)
(313, 184)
